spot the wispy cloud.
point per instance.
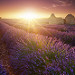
(62, 3)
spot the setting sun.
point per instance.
(37, 37)
(30, 15)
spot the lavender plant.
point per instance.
(2, 70)
(31, 54)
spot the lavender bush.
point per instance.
(66, 33)
(2, 70)
(31, 54)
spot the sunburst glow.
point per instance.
(30, 15)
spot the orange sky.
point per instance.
(43, 8)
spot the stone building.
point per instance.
(70, 19)
(60, 21)
(55, 20)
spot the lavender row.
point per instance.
(32, 54)
(66, 33)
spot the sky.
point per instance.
(44, 8)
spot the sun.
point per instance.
(30, 15)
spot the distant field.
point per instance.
(65, 33)
(42, 50)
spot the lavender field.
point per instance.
(66, 33)
(42, 50)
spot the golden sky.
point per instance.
(43, 8)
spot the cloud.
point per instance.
(62, 3)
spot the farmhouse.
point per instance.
(70, 19)
(55, 20)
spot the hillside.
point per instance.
(30, 53)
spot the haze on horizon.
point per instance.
(44, 8)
